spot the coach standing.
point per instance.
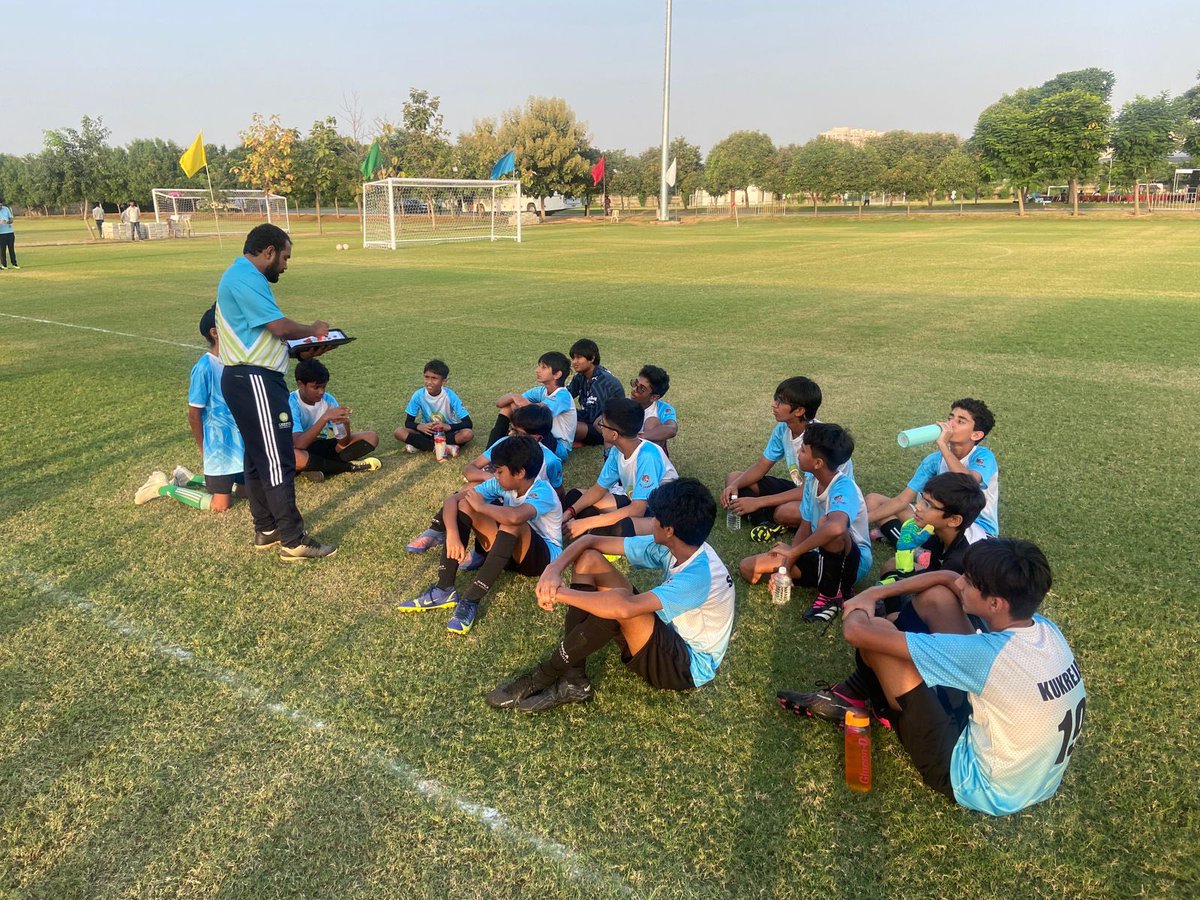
(253, 334)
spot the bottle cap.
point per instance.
(783, 570)
(857, 718)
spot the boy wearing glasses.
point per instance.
(958, 450)
(917, 602)
(633, 468)
(674, 636)
(659, 423)
(773, 504)
(593, 386)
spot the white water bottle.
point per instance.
(732, 520)
(781, 587)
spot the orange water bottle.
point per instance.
(858, 750)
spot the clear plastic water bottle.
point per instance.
(858, 750)
(732, 520)
(781, 587)
(339, 430)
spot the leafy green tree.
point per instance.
(689, 170)
(1189, 106)
(1006, 137)
(737, 162)
(861, 170)
(958, 172)
(1098, 82)
(78, 157)
(909, 175)
(269, 164)
(1074, 128)
(815, 170)
(550, 147)
(478, 149)
(1145, 133)
(317, 161)
(624, 175)
(149, 163)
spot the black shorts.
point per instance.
(537, 557)
(593, 436)
(769, 484)
(326, 448)
(664, 662)
(223, 484)
(929, 728)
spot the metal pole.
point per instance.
(666, 149)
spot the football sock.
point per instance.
(354, 451)
(499, 430)
(421, 441)
(891, 530)
(187, 496)
(330, 465)
(589, 634)
(839, 571)
(498, 557)
(448, 570)
(197, 481)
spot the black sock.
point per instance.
(764, 516)
(839, 571)
(571, 497)
(891, 530)
(573, 618)
(448, 570)
(498, 557)
(872, 690)
(354, 451)
(330, 465)
(499, 430)
(420, 441)
(570, 656)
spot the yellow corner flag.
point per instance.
(193, 159)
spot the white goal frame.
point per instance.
(398, 211)
(189, 212)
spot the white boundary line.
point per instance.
(433, 792)
(101, 330)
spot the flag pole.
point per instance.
(213, 199)
(662, 192)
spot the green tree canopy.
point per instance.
(737, 162)
(550, 147)
(1145, 133)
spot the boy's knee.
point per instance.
(933, 600)
(301, 459)
(220, 502)
(369, 436)
(788, 515)
(463, 436)
(401, 433)
(747, 568)
(591, 562)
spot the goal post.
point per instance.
(189, 212)
(397, 211)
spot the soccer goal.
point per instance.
(399, 211)
(188, 212)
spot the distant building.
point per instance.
(855, 136)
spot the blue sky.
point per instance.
(791, 69)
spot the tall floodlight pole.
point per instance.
(666, 149)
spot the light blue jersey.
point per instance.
(551, 470)
(784, 445)
(841, 495)
(446, 408)
(547, 519)
(1027, 709)
(980, 460)
(696, 597)
(562, 407)
(661, 410)
(637, 475)
(245, 305)
(6, 223)
(224, 452)
(305, 415)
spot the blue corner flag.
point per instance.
(504, 165)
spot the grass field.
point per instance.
(182, 717)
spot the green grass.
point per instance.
(293, 748)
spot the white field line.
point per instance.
(101, 330)
(433, 792)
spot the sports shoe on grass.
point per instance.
(509, 694)
(451, 451)
(366, 464)
(149, 490)
(823, 609)
(825, 703)
(433, 598)
(305, 550)
(563, 691)
(472, 562)
(409, 448)
(266, 540)
(464, 617)
(425, 540)
(766, 534)
(182, 476)
(314, 476)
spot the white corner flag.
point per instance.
(671, 173)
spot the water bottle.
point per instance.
(781, 587)
(858, 750)
(439, 446)
(915, 437)
(339, 430)
(732, 520)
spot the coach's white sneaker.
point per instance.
(149, 490)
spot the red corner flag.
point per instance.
(598, 172)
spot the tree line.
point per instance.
(1058, 132)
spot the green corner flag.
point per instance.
(371, 163)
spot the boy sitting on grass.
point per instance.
(633, 468)
(522, 535)
(958, 450)
(770, 503)
(593, 386)
(673, 636)
(918, 601)
(533, 421)
(1007, 746)
(659, 422)
(216, 435)
(831, 550)
(321, 435)
(432, 409)
(550, 373)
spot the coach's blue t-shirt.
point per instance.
(245, 305)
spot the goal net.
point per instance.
(186, 212)
(399, 211)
